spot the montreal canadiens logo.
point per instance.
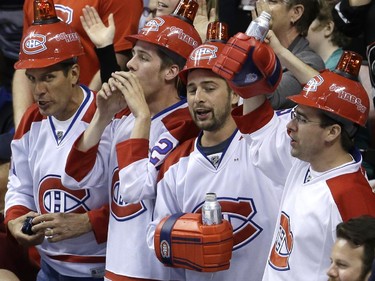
(165, 249)
(153, 25)
(34, 44)
(312, 85)
(121, 210)
(282, 249)
(53, 197)
(204, 52)
(240, 212)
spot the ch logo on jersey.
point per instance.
(64, 13)
(34, 43)
(282, 249)
(204, 52)
(152, 25)
(312, 85)
(120, 209)
(239, 212)
(53, 197)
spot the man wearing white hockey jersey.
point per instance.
(69, 228)
(310, 148)
(218, 161)
(151, 120)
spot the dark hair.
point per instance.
(360, 231)
(311, 10)
(65, 65)
(325, 16)
(348, 128)
(169, 58)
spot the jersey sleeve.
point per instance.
(88, 169)
(139, 167)
(267, 139)
(99, 219)
(19, 198)
(165, 204)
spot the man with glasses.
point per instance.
(324, 183)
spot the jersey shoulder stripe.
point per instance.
(89, 114)
(31, 115)
(180, 124)
(353, 195)
(124, 112)
(259, 118)
(183, 150)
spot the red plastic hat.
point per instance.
(174, 32)
(338, 93)
(48, 40)
(206, 55)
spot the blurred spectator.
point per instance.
(354, 250)
(95, 28)
(290, 21)
(10, 37)
(231, 13)
(356, 18)
(324, 36)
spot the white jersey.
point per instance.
(127, 250)
(39, 152)
(249, 201)
(312, 203)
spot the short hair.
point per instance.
(311, 10)
(65, 65)
(360, 231)
(338, 38)
(169, 58)
(348, 128)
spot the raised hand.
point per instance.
(109, 101)
(243, 57)
(99, 34)
(202, 18)
(132, 91)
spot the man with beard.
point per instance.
(217, 161)
(354, 250)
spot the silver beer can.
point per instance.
(211, 210)
(259, 27)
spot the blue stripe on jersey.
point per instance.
(169, 108)
(81, 107)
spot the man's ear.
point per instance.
(171, 72)
(235, 98)
(297, 12)
(333, 132)
(74, 72)
(328, 29)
